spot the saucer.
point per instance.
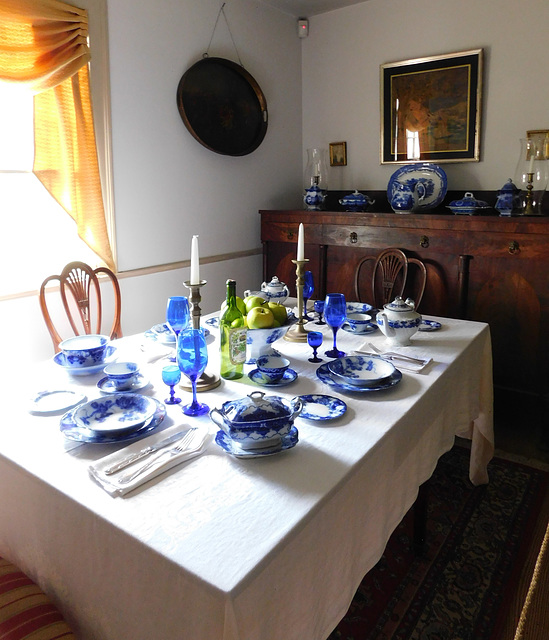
(73, 431)
(321, 407)
(106, 385)
(256, 376)
(234, 449)
(429, 325)
(326, 376)
(369, 328)
(110, 356)
(55, 401)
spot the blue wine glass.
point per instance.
(335, 312)
(314, 338)
(319, 308)
(308, 288)
(171, 375)
(192, 358)
(178, 314)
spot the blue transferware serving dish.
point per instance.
(257, 420)
(361, 371)
(321, 407)
(85, 350)
(429, 195)
(234, 449)
(468, 205)
(72, 431)
(117, 413)
(61, 360)
(356, 202)
(325, 375)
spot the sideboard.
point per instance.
(487, 268)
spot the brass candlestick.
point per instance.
(297, 333)
(207, 380)
(529, 209)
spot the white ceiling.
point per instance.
(307, 8)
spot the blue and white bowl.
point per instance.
(117, 413)
(361, 371)
(257, 420)
(85, 350)
(259, 341)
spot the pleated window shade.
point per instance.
(43, 45)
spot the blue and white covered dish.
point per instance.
(257, 420)
(468, 205)
(356, 201)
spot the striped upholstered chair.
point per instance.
(26, 612)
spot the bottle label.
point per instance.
(237, 345)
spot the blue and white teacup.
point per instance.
(122, 374)
(272, 368)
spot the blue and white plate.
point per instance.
(429, 325)
(433, 178)
(369, 328)
(326, 376)
(117, 413)
(256, 376)
(234, 449)
(56, 401)
(110, 356)
(320, 407)
(72, 431)
(358, 307)
(106, 385)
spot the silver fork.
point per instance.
(392, 354)
(181, 446)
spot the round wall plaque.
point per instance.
(222, 106)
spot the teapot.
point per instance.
(314, 198)
(275, 290)
(407, 196)
(399, 321)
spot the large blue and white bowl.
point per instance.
(361, 371)
(257, 420)
(85, 350)
(259, 342)
(117, 413)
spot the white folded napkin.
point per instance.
(400, 360)
(164, 460)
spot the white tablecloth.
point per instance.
(227, 549)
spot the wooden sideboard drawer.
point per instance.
(288, 232)
(507, 245)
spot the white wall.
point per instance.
(341, 79)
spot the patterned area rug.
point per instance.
(477, 540)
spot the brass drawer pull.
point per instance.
(514, 247)
(353, 237)
(290, 235)
(424, 242)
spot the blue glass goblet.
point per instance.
(192, 358)
(308, 288)
(335, 312)
(319, 308)
(178, 314)
(314, 338)
(171, 375)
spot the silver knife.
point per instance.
(134, 457)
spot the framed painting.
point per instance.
(338, 154)
(430, 109)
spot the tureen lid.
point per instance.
(255, 406)
(355, 198)
(509, 186)
(468, 202)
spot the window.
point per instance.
(39, 236)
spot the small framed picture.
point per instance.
(338, 154)
(542, 136)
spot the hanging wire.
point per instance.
(222, 11)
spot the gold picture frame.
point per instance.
(540, 134)
(430, 109)
(338, 154)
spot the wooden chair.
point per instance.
(390, 277)
(84, 302)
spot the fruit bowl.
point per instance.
(259, 341)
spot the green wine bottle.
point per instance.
(232, 332)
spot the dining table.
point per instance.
(221, 547)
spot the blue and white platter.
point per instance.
(256, 376)
(321, 407)
(234, 449)
(55, 401)
(117, 413)
(106, 385)
(110, 356)
(429, 325)
(433, 178)
(326, 376)
(72, 431)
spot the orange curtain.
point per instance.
(43, 45)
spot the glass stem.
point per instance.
(334, 329)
